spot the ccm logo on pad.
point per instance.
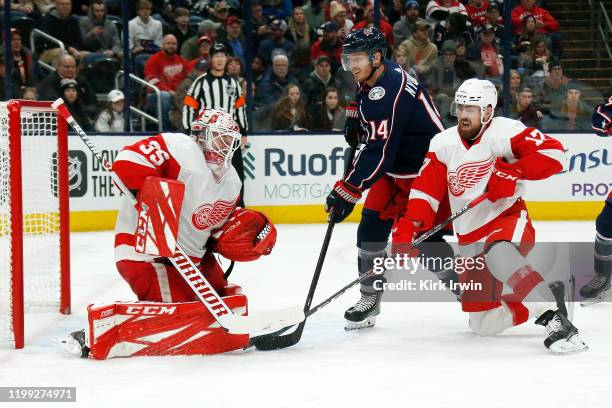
(150, 310)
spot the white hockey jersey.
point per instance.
(462, 171)
(207, 203)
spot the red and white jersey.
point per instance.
(453, 165)
(207, 203)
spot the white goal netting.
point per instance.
(39, 191)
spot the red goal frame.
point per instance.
(15, 108)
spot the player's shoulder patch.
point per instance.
(376, 93)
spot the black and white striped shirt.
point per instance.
(209, 91)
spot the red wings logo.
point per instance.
(468, 175)
(208, 215)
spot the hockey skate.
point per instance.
(561, 335)
(75, 343)
(596, 290)
(363, 313)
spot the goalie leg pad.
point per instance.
(161, 329)
(161, 282)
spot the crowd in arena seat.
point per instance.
(298, 83)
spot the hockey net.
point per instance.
(34, 236)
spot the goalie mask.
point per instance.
(218, 135)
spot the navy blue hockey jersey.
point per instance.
(398, 120)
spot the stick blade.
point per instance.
(269, 343)
(264, 321)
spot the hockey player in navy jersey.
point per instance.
(595, 289)
(394, 119)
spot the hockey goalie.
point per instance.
(186, 191)
(492, 155)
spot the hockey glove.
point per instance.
(352, 126)
(502, 183)
(403, 234)
(342, 199)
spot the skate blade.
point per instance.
(70, 345)
(572, 345)
(593, 301)
(364, 324)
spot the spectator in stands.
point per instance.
(259, 23)
(494, 15)
(528, 32)
(465, 67)
(443, 79)
(111, 118)
(190, 49)
(328, 114)
(455, 27)
(318, 80)
(165, 69)
(23, 66)
(338, 12)
(277, 40)
(536, 60)
(368, 20)
(546, 24)
(220, 12)
(437, 11)
(145, 35)
(571, 113)
(271, 86)
(234, 68)
(313, 10)
(258, 66)
(299, 32)
(525, 110)
(477, 12)
(554, 83)
(100, 35)
(234, 37)
(50, 89)
(181, 28)
(515, 86)
(393, 11)
(72, 99)
(489, 55)
(329, 46)
(29, 94)
(60, 24)
(289, 112)
(421, 53)
(404, 28)
(204, 42)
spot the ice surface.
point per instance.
(418, 355)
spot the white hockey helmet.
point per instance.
(476, 92)
(218, 135)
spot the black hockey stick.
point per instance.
(275, 341)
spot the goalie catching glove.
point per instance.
(246, 236)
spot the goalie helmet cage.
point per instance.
(34, 214)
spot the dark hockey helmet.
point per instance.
(368, 39)
(219, 47)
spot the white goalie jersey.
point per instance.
(207, 203)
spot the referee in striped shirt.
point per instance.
(217, 90)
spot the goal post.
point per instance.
(34, 214)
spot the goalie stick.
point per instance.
(231, 322)
(276, 341)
